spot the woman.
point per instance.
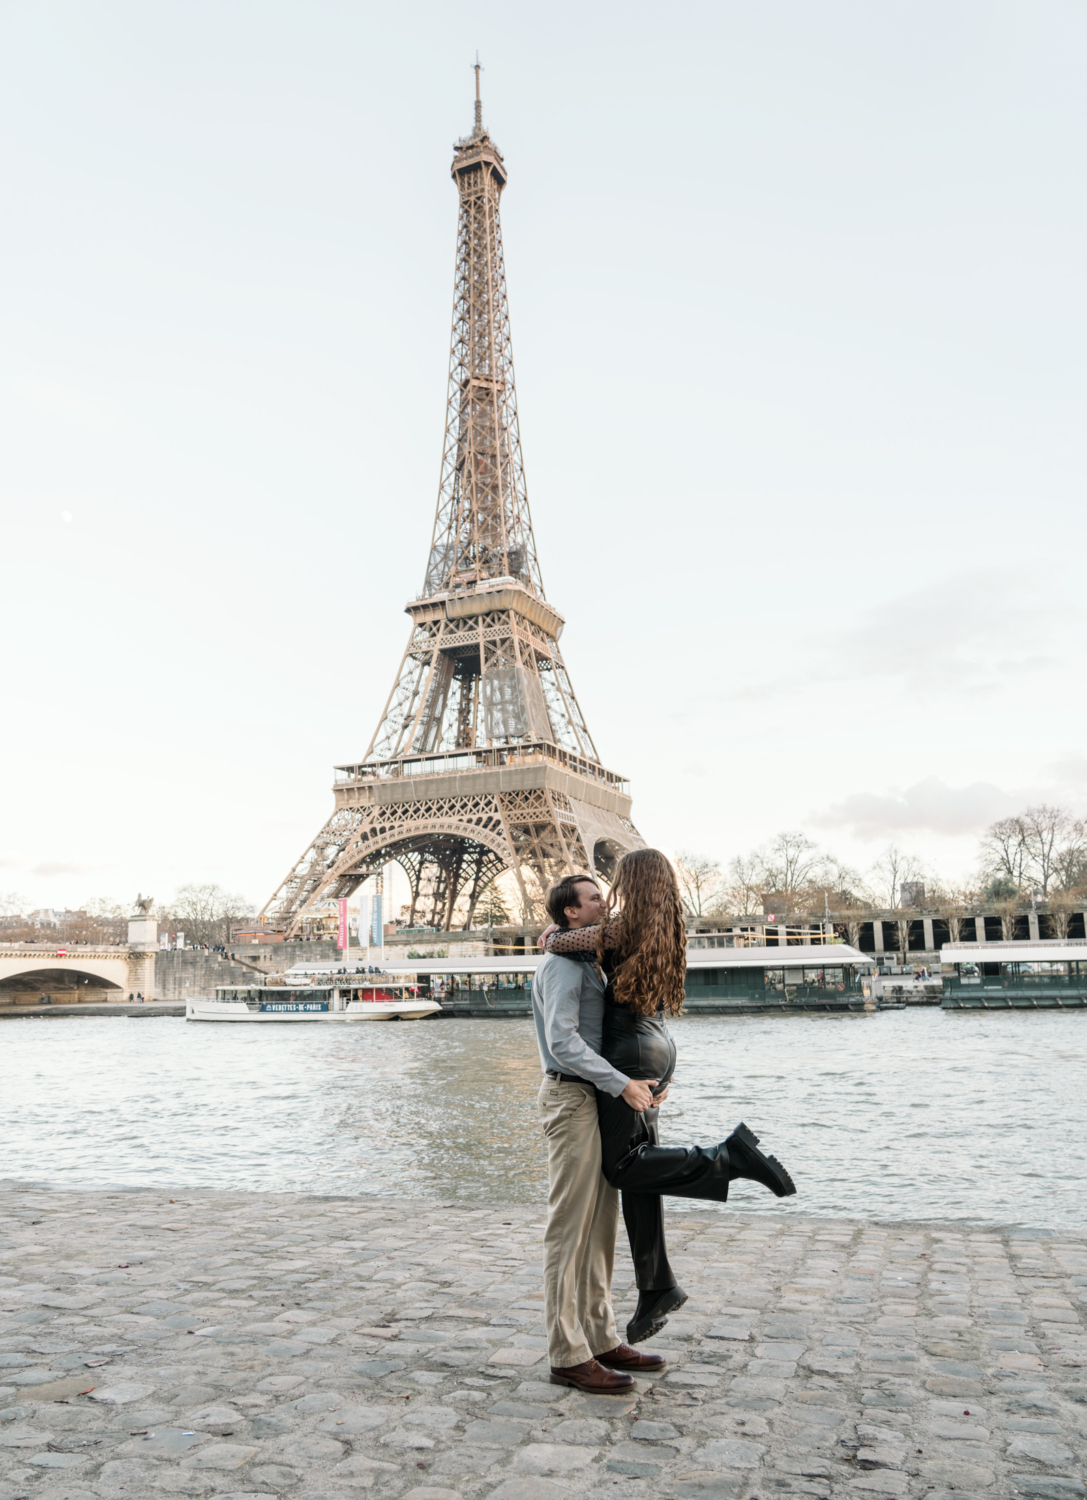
(642, 952)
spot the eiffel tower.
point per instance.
(482, 761)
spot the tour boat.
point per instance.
(1048, 974)
(318, 993)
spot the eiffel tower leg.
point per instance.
(482, 875)
(410, 863)
(454, 863)
(506, 812)
(474, 890)
(431, 892)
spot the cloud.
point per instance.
(970, 634)
(930, 805)
(1069, 771)
(56, 867)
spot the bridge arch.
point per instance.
(24, 981)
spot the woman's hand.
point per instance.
(546, 933)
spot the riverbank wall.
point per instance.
(193, 974)
(257, 1345)
(108, 1008)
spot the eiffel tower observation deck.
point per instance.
(482, 761)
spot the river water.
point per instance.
(896, 1115)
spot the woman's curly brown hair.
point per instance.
(652, 946)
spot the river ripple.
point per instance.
(898, 1115)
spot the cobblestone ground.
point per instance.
(260, 1345)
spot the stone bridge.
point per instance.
(29, 971)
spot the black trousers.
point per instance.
(632, 1158)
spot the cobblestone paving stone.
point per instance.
(262, 1345)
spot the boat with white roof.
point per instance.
(320, 992)
(1048, 974)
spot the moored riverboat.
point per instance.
(1050, 974)
(784, 978)
(322, 993)
(722, 981)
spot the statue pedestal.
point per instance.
(143, 941)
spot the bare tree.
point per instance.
(831, 884)
(795, 874)
(850, 929)
(746, 884)
(904, 924)
(1004, 851)
(12, 904)
(1044, 829)
(891, 870)
(1060, 912)
(1070, 861)
(105, 909)
(788, 862)
(206, 913)
(700, 880)
(1007, 910)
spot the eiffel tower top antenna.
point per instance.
(477, 65)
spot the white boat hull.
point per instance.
(358, 1010)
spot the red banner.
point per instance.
(62, 953)
(341, 940)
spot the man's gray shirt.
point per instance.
(568, 1008)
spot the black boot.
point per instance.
(746, 1160)
(652, 1311)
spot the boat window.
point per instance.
(775, 979)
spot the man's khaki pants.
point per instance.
(582, 1217)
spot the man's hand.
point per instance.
(662, 1096)
(546, 933)
(639, 1094)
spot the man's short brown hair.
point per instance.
(565, 894)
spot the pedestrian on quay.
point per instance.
(641, 950)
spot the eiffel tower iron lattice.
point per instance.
(482, 761)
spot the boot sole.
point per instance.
(637, 1333)
(615, 1390)
(783, 1186)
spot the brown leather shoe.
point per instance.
(626, 1358)
(592, 1377)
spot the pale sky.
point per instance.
(798, 311)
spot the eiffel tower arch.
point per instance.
(482, 761)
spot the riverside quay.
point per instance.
(255, 1345)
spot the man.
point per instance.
(582, 1209)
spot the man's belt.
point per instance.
(563, 1077)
